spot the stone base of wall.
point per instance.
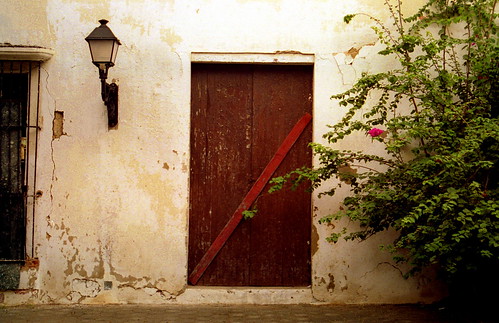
(10, 274)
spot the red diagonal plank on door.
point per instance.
(253, 193)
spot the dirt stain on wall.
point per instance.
(170, 37)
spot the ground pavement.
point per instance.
(229, 313)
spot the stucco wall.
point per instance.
(115, 203)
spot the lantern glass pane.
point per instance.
(101, 50)
(115, 51)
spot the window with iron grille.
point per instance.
(19, 106)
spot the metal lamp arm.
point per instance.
(109, 93)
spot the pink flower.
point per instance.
(374, 132)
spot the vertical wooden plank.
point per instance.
(231, 113)
(280, 248)
(199, 219)
(227, 168)
(297, 254)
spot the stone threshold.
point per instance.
(245, 295)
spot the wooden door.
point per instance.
(240, 114)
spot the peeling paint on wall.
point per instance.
(58, 125)
(353, 52)
(86, 287)
(83, 288)
(90, 11)
(134, 23)
(315, 240)
(98, 271)
(331, 285)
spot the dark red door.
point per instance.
(240, 114)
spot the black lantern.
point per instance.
(103, 48)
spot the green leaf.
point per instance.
(249, 214)
(348, 18)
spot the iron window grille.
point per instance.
(19, 130)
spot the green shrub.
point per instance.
(436, 116)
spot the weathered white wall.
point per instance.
(115, 202)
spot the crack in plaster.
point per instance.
(73, 295)
(340, 70)
(382, 263)
(349, 58)
(83, 288)
(45, 298)
(181, 63)
(50, 223)
(152, 290)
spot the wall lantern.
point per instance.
(103, 48)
